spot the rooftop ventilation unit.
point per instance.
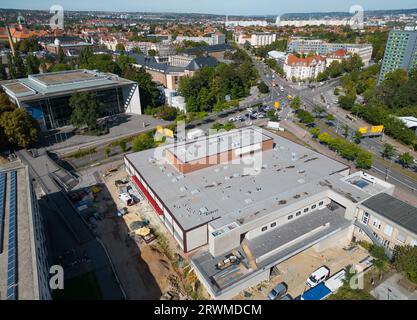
(203, 210)
(183, 188)
(195, 191)
(248, 200)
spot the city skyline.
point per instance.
(233, 7)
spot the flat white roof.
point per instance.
(242, 191)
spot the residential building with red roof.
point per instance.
(304, 68)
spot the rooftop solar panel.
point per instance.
(2, 208)
(12, 248)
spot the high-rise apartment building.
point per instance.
(400, 52)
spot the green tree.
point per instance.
(85, 110)
(325, 138)
(406, 159)
(124, 61)
(296, 103)
(345, 129)
(152, 52)
(32, 65)
(263, 88)
(150, 96)
(3, 73)
(84, 57)
(305, 116)
(229, 126)
(19, 127)
(272, 115)
(15, 66)
(389, 151)
(364, 160)
(315, 132)
(319, 111)
(143, 141)
(167, 113)
(60, 67)
(217, 126)
(123, 145)
(60, 56)
(330, 117)
(120, 47)
(405, 260)
(347, 102)
(358, 137)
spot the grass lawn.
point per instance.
(84, 287)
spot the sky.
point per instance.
(230, 7)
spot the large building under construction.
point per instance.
(254, 195)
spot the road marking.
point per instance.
(393, 178)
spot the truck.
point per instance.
(326, 288)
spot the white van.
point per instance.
(126, 199)
(318, 276)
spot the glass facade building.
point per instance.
(47, 96)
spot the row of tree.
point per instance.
(211, 86)
(337, 68)
(348, 150)
(395, 96)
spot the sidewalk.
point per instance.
(401, 148)
(307, 137)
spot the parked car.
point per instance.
(232, 119)
(93, 222)
(287, 297)
(149, 238)
(121, 212)
(278, 292)
(318, 276)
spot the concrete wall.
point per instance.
(134, 105)
(212, 160)
(283, 219)
(196, 238)
(342, 238)
(228, 241)
(377, 224)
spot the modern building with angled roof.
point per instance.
(24, 268)
(46, 96)
(252, 195)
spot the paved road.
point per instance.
(309, 101)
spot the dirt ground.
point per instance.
(143, 269)
(295, 271)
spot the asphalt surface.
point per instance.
(309, 101)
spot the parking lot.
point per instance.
(295, 271)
